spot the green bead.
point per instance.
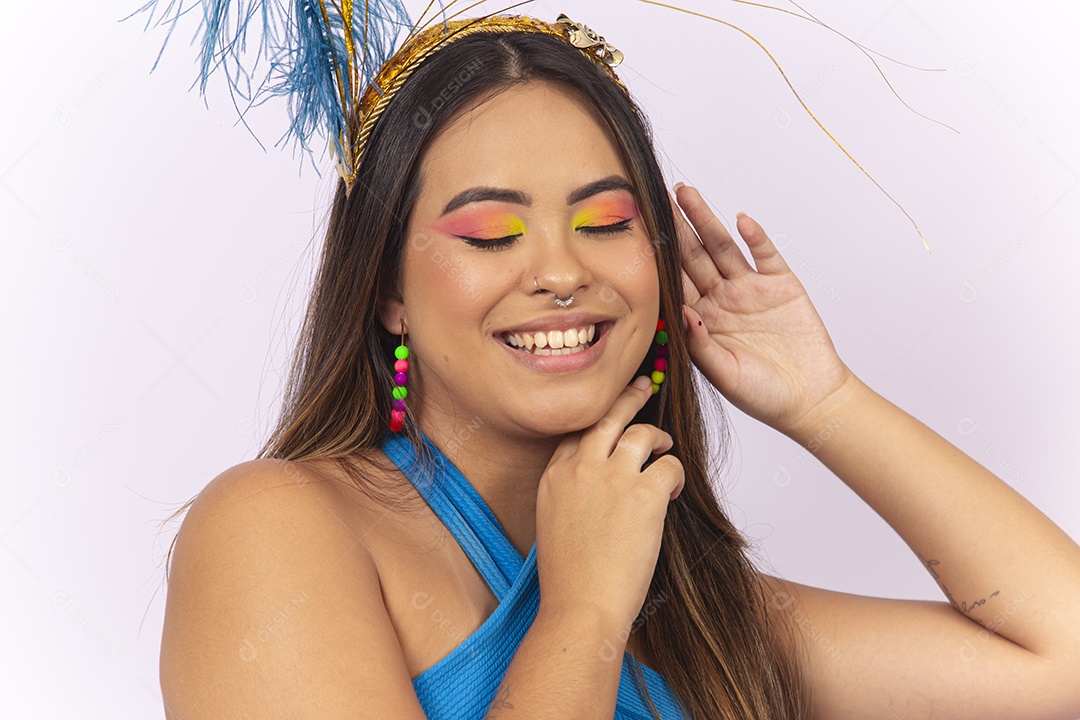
(401, 353)
(400, 393)
(661, 337)
(657, 377)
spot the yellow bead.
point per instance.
(657, 377)
(655, 388)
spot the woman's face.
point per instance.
(524, 185)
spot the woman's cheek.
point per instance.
(634, 269)
(471, 277)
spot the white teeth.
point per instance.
(554, 342)
(564, 351)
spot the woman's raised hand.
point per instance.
(754, 333)
(600, 517)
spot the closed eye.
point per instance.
(490, 244)
(621, 226)
(504, 242)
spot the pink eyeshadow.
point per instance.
(482, 223)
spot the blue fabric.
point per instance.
(462, 685)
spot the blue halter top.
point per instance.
(462, 685)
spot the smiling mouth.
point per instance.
(556, 342)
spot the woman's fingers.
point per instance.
(697, 266)
(767, 258)
(691, 294)
(715, 252)
(601, 438)
(639, 442)
(604, 436)
(668, 472)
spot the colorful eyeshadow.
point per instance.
(606, 212)
(488, 224)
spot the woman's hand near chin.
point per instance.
(753, 333)
(600, 517)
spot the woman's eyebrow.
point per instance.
(479, 194)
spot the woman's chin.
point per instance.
(564, 417)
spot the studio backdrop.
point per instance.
(156, 259)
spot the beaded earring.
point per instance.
(660, 363)
(401, 367)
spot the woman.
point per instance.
(536, 535)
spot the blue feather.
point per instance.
(298, 56)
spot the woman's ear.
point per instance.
(392, 315)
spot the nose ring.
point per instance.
(558, 301)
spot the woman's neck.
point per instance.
(505, 471)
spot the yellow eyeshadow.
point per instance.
(516, 226)
(607, 212)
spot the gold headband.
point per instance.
(424, 44)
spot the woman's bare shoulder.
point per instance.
(242, 483)
(270, 583)
(282, 490)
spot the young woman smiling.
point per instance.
(519, 240)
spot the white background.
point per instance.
(154, 259)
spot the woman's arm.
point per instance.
(1009, 646)
(985, 545)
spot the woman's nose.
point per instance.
(558, 265)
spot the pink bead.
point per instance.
(401, 366)
(660, 365)
(397, 416)
(400, 379)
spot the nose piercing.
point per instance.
(558, 301)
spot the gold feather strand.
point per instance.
(862, 48)
(801, 102)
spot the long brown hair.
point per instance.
(705, 620)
